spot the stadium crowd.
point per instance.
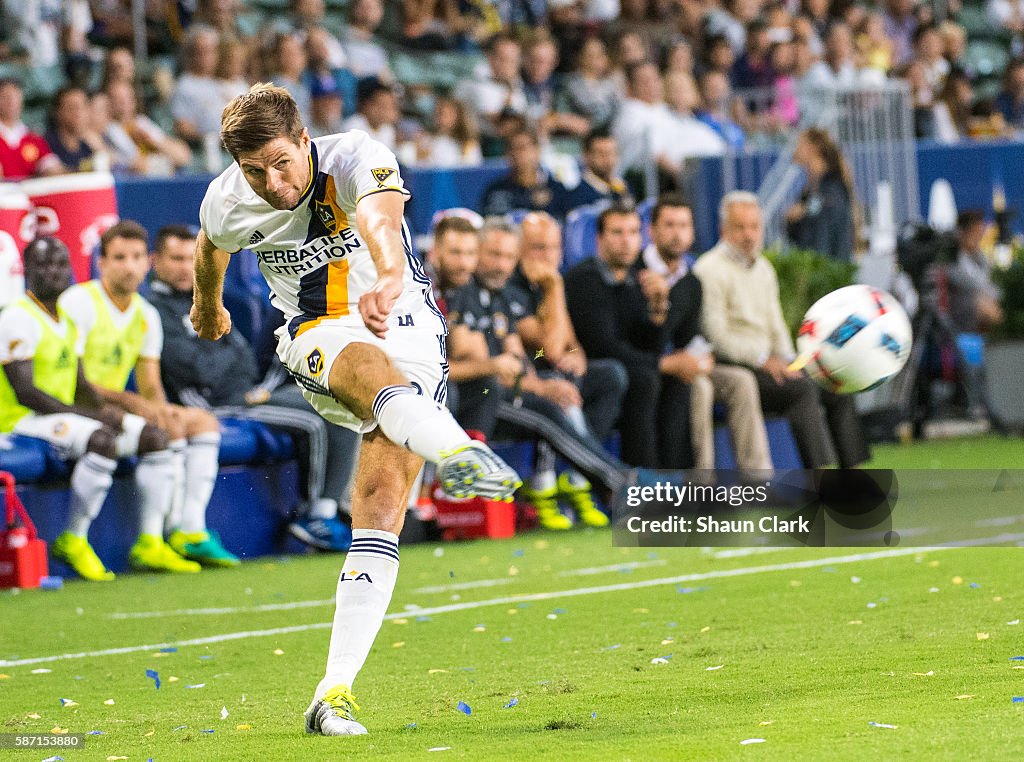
(452, 82)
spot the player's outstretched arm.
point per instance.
(379, 219)
(209, 316)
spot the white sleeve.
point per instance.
(213, 219)
(370, 168)
(153, 341)
(19, 335)
(80, 308)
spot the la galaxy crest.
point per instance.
(315, 362)
(325, 213)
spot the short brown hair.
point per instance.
(668, 201)
(452, 224)
(129, 229)
(615, 210)
(253, 119)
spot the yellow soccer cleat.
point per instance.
(473, 470)
(151, 553)
(202, 547)
(77, 553)
(545, 501)
(581, 499)
(334, 714)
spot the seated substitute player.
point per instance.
(122, 332)
(44, 394)
(362, 337)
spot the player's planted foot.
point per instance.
(333, 715)
(151, 553)
(581, 498)
(77, 553)
(202, 547)
(474, 470)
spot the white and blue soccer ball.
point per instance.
(854, 339)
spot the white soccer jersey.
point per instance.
(313, 256)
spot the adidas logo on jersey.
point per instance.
(256, 238)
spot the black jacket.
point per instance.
(221, 372)
(827, 224)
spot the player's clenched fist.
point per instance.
(376, 304)
(210, 325)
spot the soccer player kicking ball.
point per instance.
(362, 337)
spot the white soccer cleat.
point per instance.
(333, 714)
(474, 470)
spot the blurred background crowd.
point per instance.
(87, 84)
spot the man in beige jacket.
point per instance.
(742, 318)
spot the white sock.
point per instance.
(323, 508)
(417, 423)
(154, 480)
(201, 464)
(364, 592)
(90, 483)
(173, 520)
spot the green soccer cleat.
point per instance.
(545, 501)
(333, 714)
(204, 547)
(77, 553)
(151, 553)
(581, 499)
(473, 470)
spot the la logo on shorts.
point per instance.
(381, 174)
(315, 362)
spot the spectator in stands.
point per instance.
(121, 334)
(45, 34)
(519, 402)
(974, 297)
(817, 12)
(453, 257)
(321, 69)
(615, 315)
(378, 113)
(753, 69)
(540, 57)
(954, 45)
(1010, 100)
(454, 138)
(222, 15)
(785, 108)
(954, 108)
(308, 18)
(686, 136)
(222, 375)
(233, 66)
(600, 180)
(591, 90)
(668, 259)
(716, 109)
(365, 56)
(22, 152)
(199, 97)
(430, 24)
(929, 49)
(742, 318)
(873, 44)
(779, 20)
(44, 394)
(136, 141)
(527, 185)
(838, 67)
(642, 18)
(900, 23)
(642, 118)
(679, 57)
(288, 65)
(1006, 14)
(630, 50)
(718, 55)
(79, 148)
(922, 98)
(118, 66)
(730, 21)
(327, 110)
(567, 24)
(823, 219)
(497, 89)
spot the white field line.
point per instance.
(222, 610)
(464, 585)
(625, 566)
(504, 601)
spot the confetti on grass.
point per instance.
(882, 725)
(223, 713)
(67, 703)
(463, 707)
(749, 741)
(1018, 700)
(511, 703)
(153, 675)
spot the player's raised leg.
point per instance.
(365, 380)
(385, 474)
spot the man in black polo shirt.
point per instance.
(500, 391)
(599, 181)
(527, 185)
(622, 312)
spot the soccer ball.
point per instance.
(854, 339)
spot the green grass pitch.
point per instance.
(562, 646)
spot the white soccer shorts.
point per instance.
(417, 350)
(69, 433)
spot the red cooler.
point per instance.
(17, 228)
(77, 209)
